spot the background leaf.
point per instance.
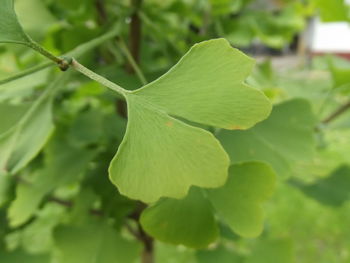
(21, 142)
(188, 221)
(290, 126)
(239, 201)
(64, 164)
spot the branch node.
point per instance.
(65, 63)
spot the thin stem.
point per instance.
(76, 52)
(27, 72)
(148, 251)
(100, 79)
(148, 242)
(132, 61)
(32, 44)
(339, 111)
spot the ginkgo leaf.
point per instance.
(93, 243)
(24, 135)
(239, 201)
(290, 126)
(10, 29)
(161, 156)
(188, 221)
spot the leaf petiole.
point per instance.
(94, 76)
(35, 46)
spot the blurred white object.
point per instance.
(329, 37)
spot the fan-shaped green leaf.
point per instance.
(161, 156)
(286, 136)
(188, 221)
(239, 201)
